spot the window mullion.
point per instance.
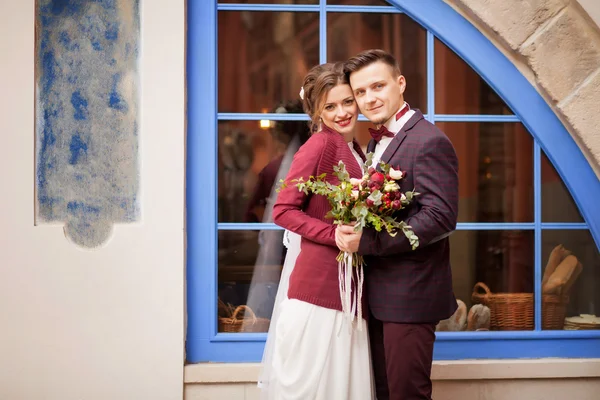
(430, 77)
(322, 31)
(537, 222)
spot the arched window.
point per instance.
(525, 187)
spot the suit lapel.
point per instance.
(371, 146)
(400, 136)
(392, 147)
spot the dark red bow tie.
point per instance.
(377, 134)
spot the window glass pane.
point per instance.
(495, 170)
(571, 280)
(251, 161)
(459, 89)
(557, 203)
(351, 33)
(359, 2)
(503, 262)
(270, 1)
(263, 57)
(250, 265)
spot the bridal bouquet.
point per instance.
(372, 201)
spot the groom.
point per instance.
(409, 292)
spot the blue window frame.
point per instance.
(443, 23)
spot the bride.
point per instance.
(314, 351)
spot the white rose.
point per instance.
(391, 187)
(355, 181)
(395, 174)
(355, 194)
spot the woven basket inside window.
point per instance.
(514, 311)
(243, 319)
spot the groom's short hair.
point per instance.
(369, 57)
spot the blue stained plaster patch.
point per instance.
(77, 207)
(77, 148)
(117, 101)
(112, 32)
(87, 172)
(96, 45)
(80, 105)
(65, 6)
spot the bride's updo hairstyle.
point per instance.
(317, 84)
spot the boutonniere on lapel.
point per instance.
(372, 201)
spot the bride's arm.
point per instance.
(287, 211)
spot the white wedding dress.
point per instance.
(311, 353)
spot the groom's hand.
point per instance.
(347, 239)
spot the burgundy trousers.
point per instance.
(402, 356)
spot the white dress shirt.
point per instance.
(394, 127)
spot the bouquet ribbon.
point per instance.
(351, 299)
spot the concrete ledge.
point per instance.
(442, 370)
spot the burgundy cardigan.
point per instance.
(315, 275)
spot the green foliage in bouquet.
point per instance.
(374, 200)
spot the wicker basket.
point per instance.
(554, 311)
(225, 310)
(514, 311)
(248, 322)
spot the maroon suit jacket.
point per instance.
(409, 286)
(315, 275)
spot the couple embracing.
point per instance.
(311, 353)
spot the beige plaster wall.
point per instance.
(556, 44)
(452, 380)
(109, 323)
(525, 389)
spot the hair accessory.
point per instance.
(302, 92)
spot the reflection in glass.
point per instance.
(270, 1)
(253, 157)
(263, 57)
(359, 2)
(502, 261)
(557, 203)
(459, 89)
(351, 33)
(495, 170)
(250, 265)
(571, 275)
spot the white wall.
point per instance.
(104, 324)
